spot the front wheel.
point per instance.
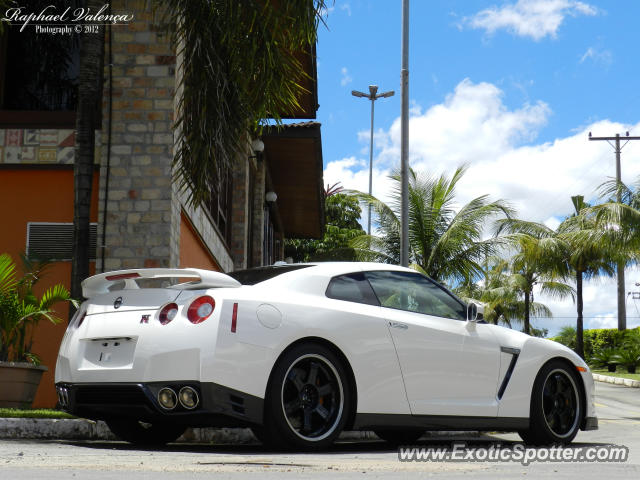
(308, 400)
(556, 405)
(141, 433)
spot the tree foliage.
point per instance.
(342, 213)
(539, 259)
(240, 64)
(445, 241)
(586, 256)
(21, 310)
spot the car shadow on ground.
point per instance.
(343, 446)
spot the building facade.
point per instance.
(139, 216)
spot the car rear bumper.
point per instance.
(218, 406)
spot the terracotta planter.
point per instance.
(18, 384)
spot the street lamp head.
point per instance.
(388, 94)
(372, 90)
(356, 93)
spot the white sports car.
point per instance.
(301, 352)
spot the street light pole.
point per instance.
(404, 139)
(373, 96)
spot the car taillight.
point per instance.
(81, 319)
(168, 313)
(200, 309)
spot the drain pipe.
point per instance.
(108, 166)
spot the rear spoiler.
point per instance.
(99, 284)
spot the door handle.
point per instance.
(402, 326)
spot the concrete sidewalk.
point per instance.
(81, 429)
(627, 382)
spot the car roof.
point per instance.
(311, 277)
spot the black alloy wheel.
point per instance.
(308, 400)
(557, 405)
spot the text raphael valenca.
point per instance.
(51, 14)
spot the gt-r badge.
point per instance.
(117, 303)
(145, 318)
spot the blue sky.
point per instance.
(510, 88)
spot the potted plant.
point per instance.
(629, 356)
(20, 312)
(605, 357)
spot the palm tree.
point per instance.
(240, 65)
(619, 224)
(539, 260)
(502, 302)
(444, 242)
(587, 258)
(21, 309)
(87, 121)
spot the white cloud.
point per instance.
(600, 57)
(529, 18)
(474, 126)
(346, 7)
(353, 173)
(346, 78)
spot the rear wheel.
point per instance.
(142, 433)
(308, 400)
(556, 405)
(399, 437)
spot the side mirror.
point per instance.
(472, 312)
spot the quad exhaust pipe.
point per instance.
(187, 397)
(63, 396)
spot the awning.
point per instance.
(294, 158)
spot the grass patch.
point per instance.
(35, 413)
(617, 373)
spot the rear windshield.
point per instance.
(260, 274)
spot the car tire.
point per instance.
(399, 437)
(308, 399)
(557, 405)
(141, 433)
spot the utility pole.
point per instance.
(622, 310)
(404, 142)
(373, 96)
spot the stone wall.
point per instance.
(140, 210)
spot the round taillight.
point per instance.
(168, 313)
(200, 309)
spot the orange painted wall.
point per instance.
(41, 195)
(193, 252)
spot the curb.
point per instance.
(627, 382)
(81, 429)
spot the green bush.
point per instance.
(598, 339)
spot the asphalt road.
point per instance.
(618, 410)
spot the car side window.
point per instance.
(413, 292)
(353, 287)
